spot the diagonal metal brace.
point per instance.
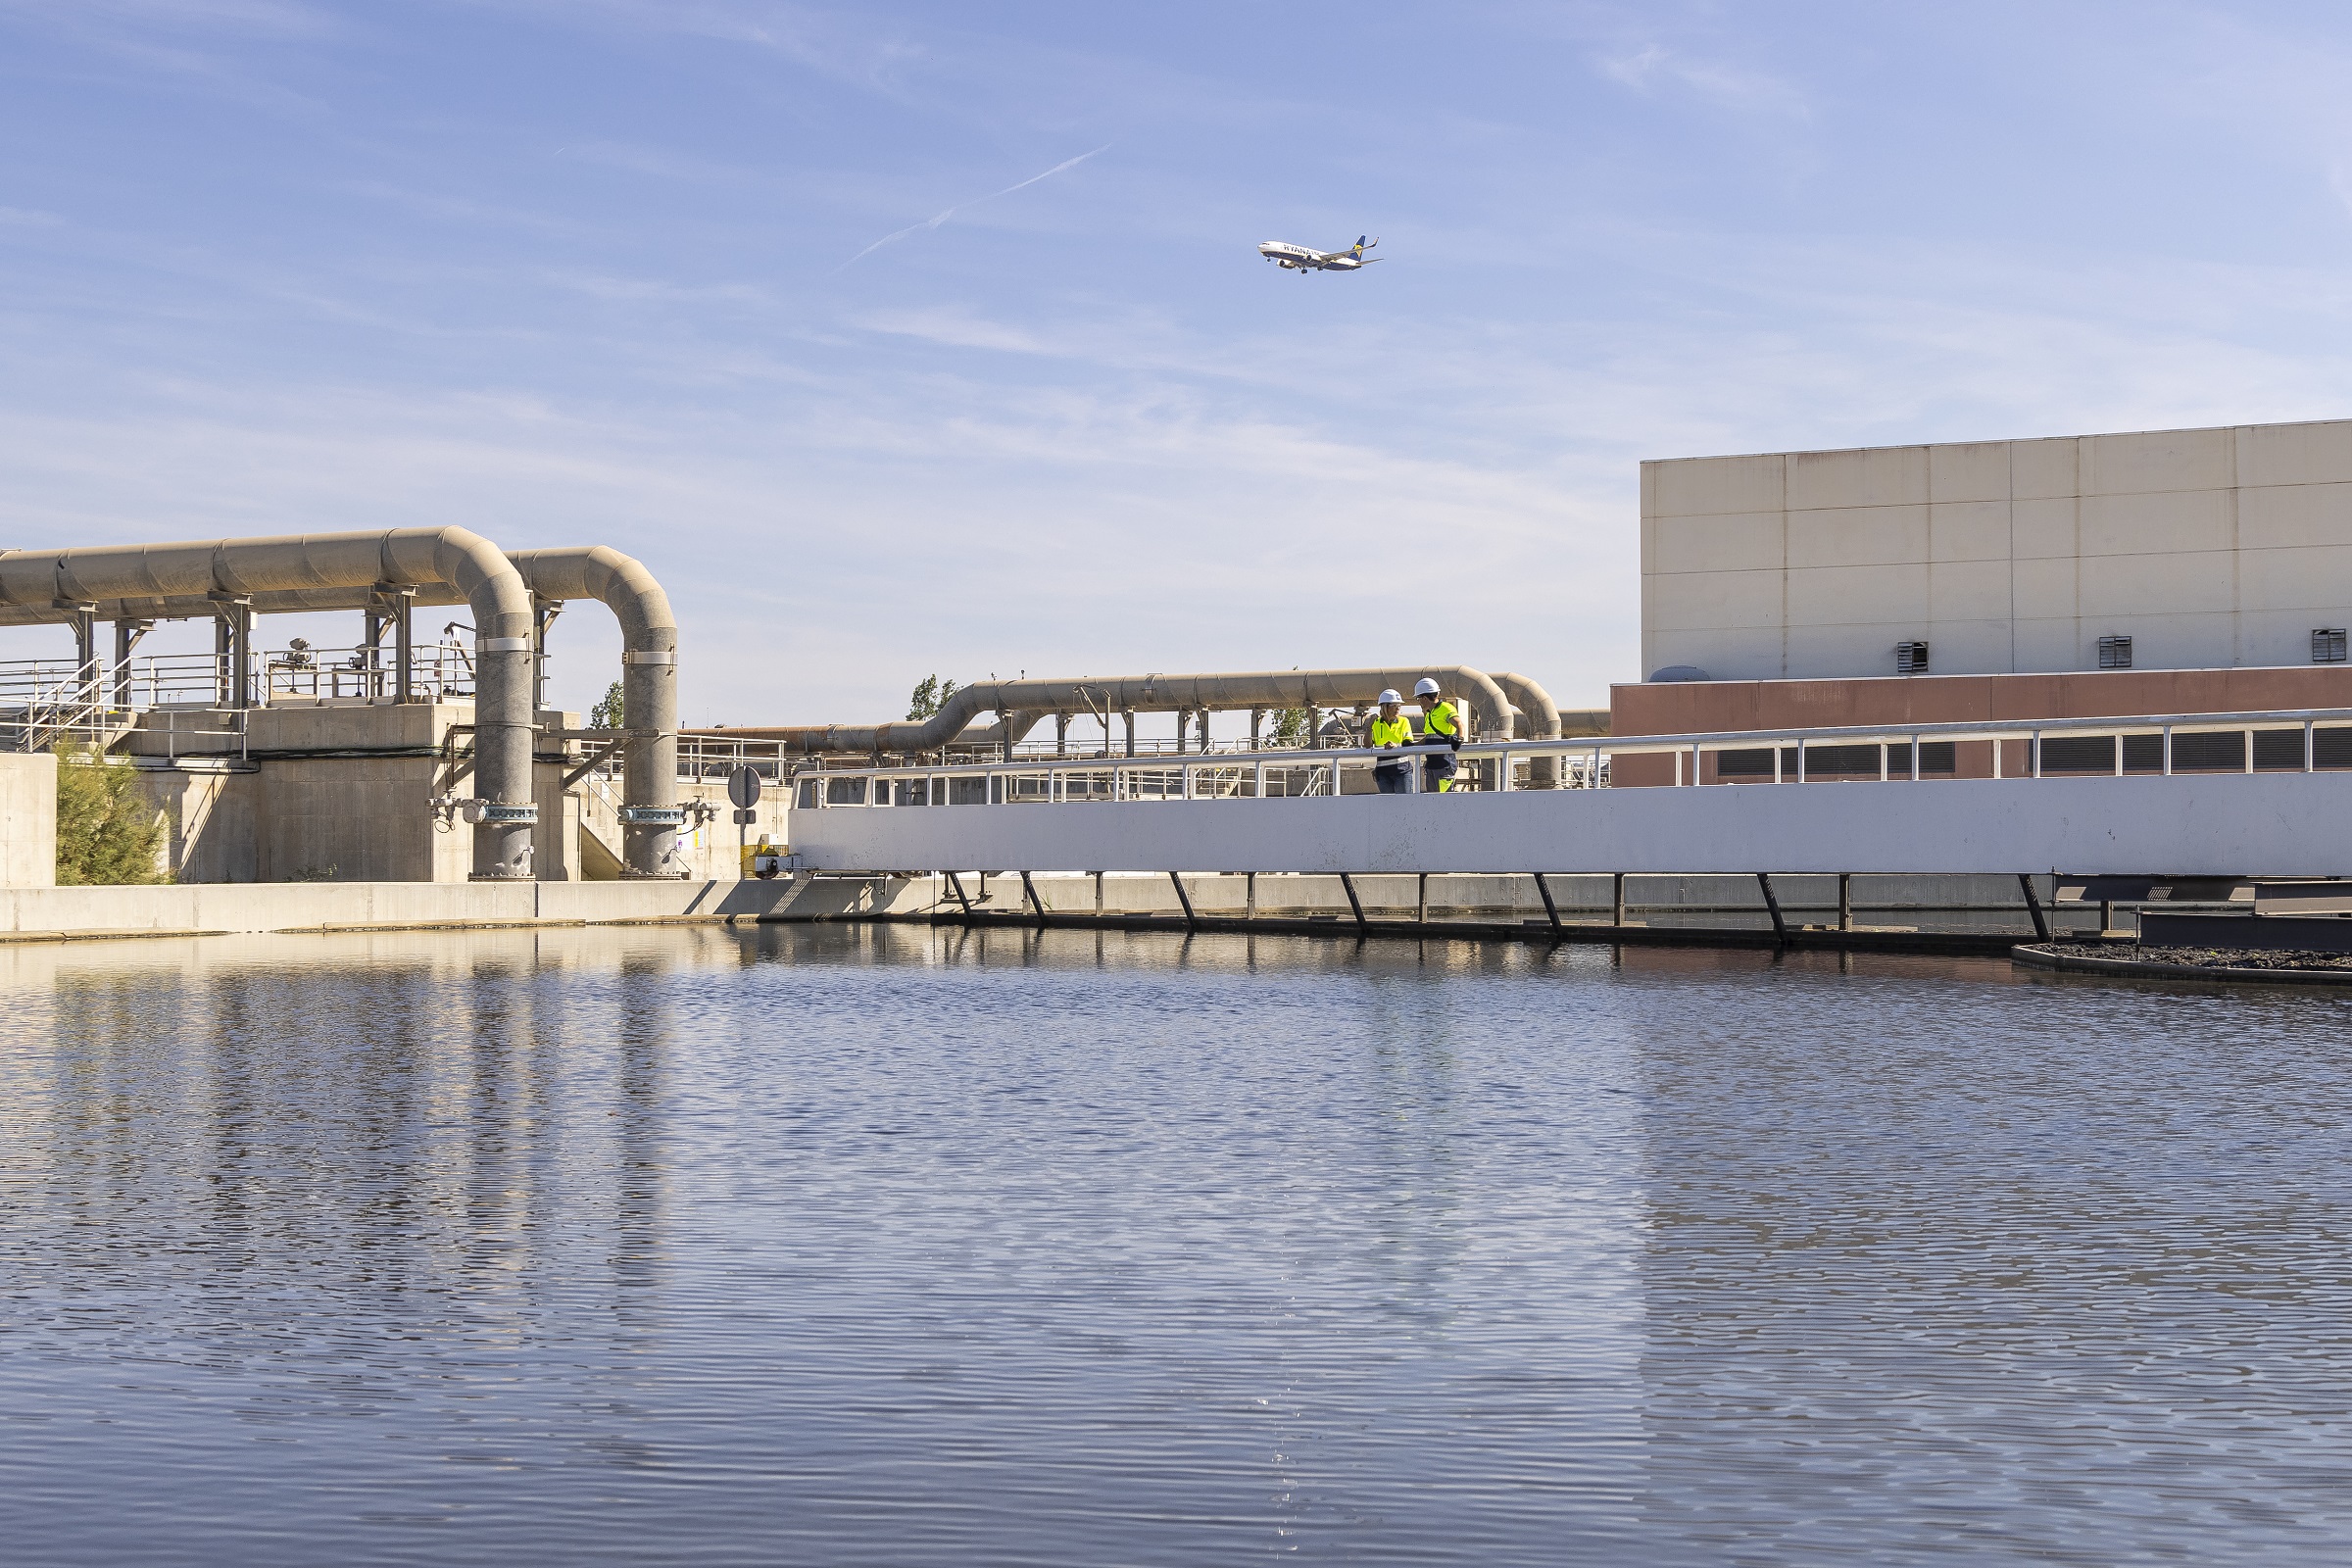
(593, 761)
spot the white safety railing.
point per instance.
(1190, 777)
(2299, 740)
(708, 757)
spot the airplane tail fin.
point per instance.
(1362, 245)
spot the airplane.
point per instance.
(1298, 258)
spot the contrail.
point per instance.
(934, 222)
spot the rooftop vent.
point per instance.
(2327, 645)
(1910, 659)
(2115, 653)
(1675, 672)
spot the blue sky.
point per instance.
(591, 271)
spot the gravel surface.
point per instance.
(2208, 958)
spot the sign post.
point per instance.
(743, 788)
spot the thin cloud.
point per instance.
(934, 222)
(1728, 85)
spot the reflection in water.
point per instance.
(893, 1244)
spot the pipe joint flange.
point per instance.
(500, 813)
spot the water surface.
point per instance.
(839, 1246)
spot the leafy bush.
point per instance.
(107, 833)
(1289, 733)
(606, 715)
(930, 695)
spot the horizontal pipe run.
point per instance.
(1032, 700)
(222, 577)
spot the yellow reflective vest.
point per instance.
(1439, 722)
(1397, 731)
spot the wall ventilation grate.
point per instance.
(2327, 645)
(1910, 659)
(2115, 653)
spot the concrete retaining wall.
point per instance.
(28, 818)
(35, 912)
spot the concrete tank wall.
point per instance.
(336, 794)
(28, 819)
(2220, 824)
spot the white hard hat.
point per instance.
(1425, 687)
(1389, 696)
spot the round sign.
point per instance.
(743, 788)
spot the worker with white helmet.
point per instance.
(1441, 725)
(1391, 728)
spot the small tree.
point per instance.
(929, 696)
(1289, 733)
(107, 834)
(606, 715)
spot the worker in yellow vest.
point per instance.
(1391, 728)
(1441, 725)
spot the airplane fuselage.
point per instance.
(1297, 258)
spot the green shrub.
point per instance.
(929, 696)
(106, 831)
(1289, 731)
(606, 715)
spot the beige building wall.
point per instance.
(2209, 549)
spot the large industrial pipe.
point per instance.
(649, 687)
(1539, 720)
(54, 586)
(1539, 715)
(1489, 710)
(650, 815)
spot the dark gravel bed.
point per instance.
(2206, 958)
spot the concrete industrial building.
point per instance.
(1851, 587)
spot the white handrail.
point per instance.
(1588, 758)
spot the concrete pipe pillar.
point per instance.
(1062, 734)
(1129, 717)
(1184, 718)
(127, 637)
(86, 651)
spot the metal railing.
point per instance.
(52, 701)
(436, 670)
(1189, 777)
(2296, 740)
